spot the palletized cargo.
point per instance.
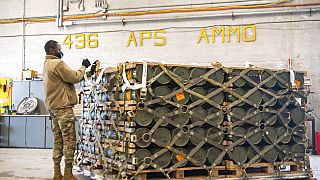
(142, 118)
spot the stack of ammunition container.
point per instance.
(142, 116)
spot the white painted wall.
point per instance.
(275, 43)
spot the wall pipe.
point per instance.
(232, 15)
(24, 36)
(185, 5)
(167, 11)
(59, 19)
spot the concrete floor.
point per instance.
(37, 164)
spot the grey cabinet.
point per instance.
(17, 131)
(20, 90)
(35, 132)
(4, 131)
(27, 131)
(49, 134)
(37, 91)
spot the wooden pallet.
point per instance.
(229, 170)
(180, 173)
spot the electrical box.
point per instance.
(5, 94)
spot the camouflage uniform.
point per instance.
(63, 128)
(59, 80)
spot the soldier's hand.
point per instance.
(93, 67)
(86, 63)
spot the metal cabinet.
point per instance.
(35, 132)
(4, 131)
(49, 134)
(20, 90)
(17, 131)
(27, 131)
(37, 91)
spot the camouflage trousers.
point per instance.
(64, 135)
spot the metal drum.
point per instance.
(197, 73)
(217, 98)
(286, 117)
(215, 135)
(86, 115)
(299, 79)
(270, 118)
(183, 73)
(182, 140)
(176, 157)
(256, 137)
(162, 111)
(285, 153)
(140, 154)
(271, 83)
(198, 90)
(108, 152)
(251, 153)
(104, 96)
(111, 134)
(114, 115)
(272, 155)
(140, 140)
(137, 73)
(212, 155)
(164, 78)
(237, 133)
(286, 77)
(254, 75)
(297, 116)
(218, 118)
(200, 156)
(143, 118)
(283, 130)
(93, 115)
(256, 97)
(127, 95)
(198, 114)
(267, 97)
(181, 118)
(239, 154)
(217, 76)
(239, 82)
(181, 98)
(163, 136)
(103, 115)
(299, 134)
(160, 92)
(200, 132)
(298, 152)
(239, 113)
(255, 119)
(163, 160)
(87, 99)
(270, 132)
(239, 91)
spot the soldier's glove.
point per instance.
(86, 63)
(94, 67)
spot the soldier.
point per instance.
(59, 80)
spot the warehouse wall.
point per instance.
(278, 37)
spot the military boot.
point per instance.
(57, 173)
(68, 173)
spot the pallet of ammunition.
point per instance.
(151, 117)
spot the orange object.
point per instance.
(179, 157)
(180, 96)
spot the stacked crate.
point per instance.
(152, 117)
